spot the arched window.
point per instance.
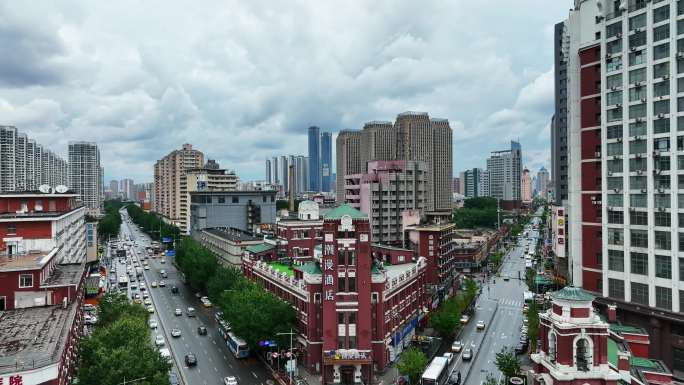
(552, 347)
(583, 354)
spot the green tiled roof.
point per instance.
(619, 328)
(259, 248)
(571, 293)
(310, 268)
(643, 363)
(612, 352)
(343, 210)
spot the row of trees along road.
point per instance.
(254, 314)
(120, 347)
(109, 225)
(446, 320)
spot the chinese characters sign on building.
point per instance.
(328, 272)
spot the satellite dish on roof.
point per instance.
(45, 188)
(61, 188)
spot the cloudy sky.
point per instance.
(242, 80)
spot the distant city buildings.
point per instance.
(242, 210)
(476, 183)
(542, 186)
(505, 173)
(86, 174)
(326, 162)
(25, 164)
(526, 186)
(168, 175)
(413, 137)
(127, 189)
(278, 169)
(320, 160)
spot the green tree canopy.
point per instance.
(197, 262)
(114, 306)
(533, 324)
(412, 364)
(225, 279)
(467, 218)
(507, 362)
(480, 203)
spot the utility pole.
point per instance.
(292, 357)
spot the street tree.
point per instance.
(446, 319)
(412, 364)
(113, 306)
(224, 279)
(490, 380)
(507, 362)
(533, 324)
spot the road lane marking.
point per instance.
(216, 370)
(255, 376)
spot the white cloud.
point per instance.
(243, 80)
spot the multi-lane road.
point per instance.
(500, 306)
(214, 360)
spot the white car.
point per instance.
(147, 267)
(159, 340)
(230, 380)
(175, 332)
(162, 284)
(480, 325)
(206, 302)
(165, 353)
(147, 302)
(449, 357)
(89, 319)
(457, 346)
(153, 324)
(150, 309)
(153, 284)
(178, 312)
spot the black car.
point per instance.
(174, 290)
(201, 330)
(190, 359)
(520, 349)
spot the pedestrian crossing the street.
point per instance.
(510, 302)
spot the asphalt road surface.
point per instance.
(214, 360)
(500, 306)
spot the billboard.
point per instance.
(558, 230)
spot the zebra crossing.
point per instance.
(510, 302)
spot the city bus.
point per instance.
(237, 345)
(123, 281)
(437, 372)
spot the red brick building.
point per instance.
(355, 315)
(298, 237)
(42, 276)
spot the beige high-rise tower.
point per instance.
(414, 136)
(168, 173)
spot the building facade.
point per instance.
(542, 186)
(389, 192)
(625, 156)
(476, 183)
(127, 189)
(559, 121)
(229, 244)
(355, 315)
(413, 137)
(207, 178)
(326, 162)
(168, 175)
(42, 276)
(505, 173)
(85, 174)
(314, 135)
(242, 210)
(526, 186)
(298, 237)
(25, 164)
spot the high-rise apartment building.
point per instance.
(85, 174)
(25, 164)
(326, 162)
(476, 183)
(301, 170)
(542, 185)
(559, 121)
(314, 158)
(526, 186)
(269, 172)
(625, 157)
(275, 176)
(126, 187)
(114, 188)
(168, 174)
(414, 136)
(284, 173)
(505, 172)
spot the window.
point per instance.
(11, 228)
(661, 144)
(638, 263)
(615, 131)
(616, 288)
(583, 357)
(236, 200)
(637, 200)
(637, 21)
(636, 58)
(662, 182)
(614, 148)
(637, 128)
(615, 217)
(662, 219)
(614, 98)
(680, 162)
(615, 200)
(221, 199)
(661, 88)
(639, 218)
(25, 280)
(638, 75)
(340, 257)
(637, 93)
(614, 115)
(661, 32)
(662, 13)
(614, 64)
(614, 46)
(680, 182)
(613, 29)
(616, 260)
(638, 39)
(661, 126)
(639, 238)
(680, 66)
(637, 164)
(681, 270)
(680, 143)
(661, 107)
(680, 27)
(680, 83)
(661, 201)
(661, 51)
(662, 163)
(663, 266)
(663, 297)
(637, 147)
(637, 182)
(351, 282)
(614, 182)
(640, 293)
(614, 80)
(614, 165)
(615, 237)
(636, 111)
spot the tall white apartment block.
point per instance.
(85, 174)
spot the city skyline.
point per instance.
(144, 102)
